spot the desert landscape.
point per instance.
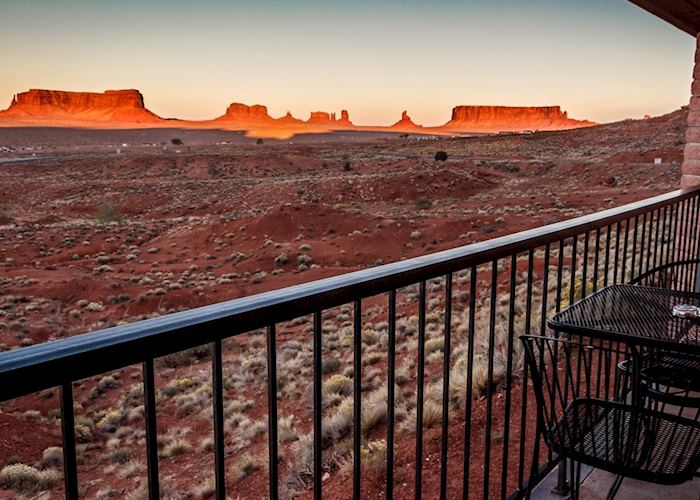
(101, 226)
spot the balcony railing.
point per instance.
(496, 290)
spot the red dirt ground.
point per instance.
(205, 224)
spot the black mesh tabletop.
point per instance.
(635, 315)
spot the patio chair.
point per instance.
(679, 275)
(583, 418)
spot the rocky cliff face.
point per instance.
(58, 105)
(511, 118)
(247, 114)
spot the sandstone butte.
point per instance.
(121, 106)
(511, 118)
(125, 108)
(405, 123)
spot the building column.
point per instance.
(691, 156)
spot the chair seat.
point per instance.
(636, 442)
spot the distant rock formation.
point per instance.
(125, 108)
(288, 119)
(321, 117)
(511, 118)
(344, 118)
(56, 105)
(238, 112)
(405, 122)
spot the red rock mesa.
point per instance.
(511, 118)
(124, 106)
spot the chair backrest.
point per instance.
(565, 370)
(680, 275)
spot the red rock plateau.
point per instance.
(55, 106)
(91, 238)
(511, 119)
(125, 109)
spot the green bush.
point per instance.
(441, 156)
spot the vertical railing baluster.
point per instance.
(509, 376)
(70, 462)
(693, 235)
(606, 265)
(273, 453)
(391, 371)
(655, 215)
(523, 414)
(673, 233)
(149, 403)
(596, 260)
(656, 237)
(584, 271)
(420, 381)
(634, 244)
(469, 389)
(357, 401)
(625, 248)
(218, 393)
(447, 347)
(686, 242)
(572, 283)
(618, 228)
(661, 235)
(489, 378)
(318, 406)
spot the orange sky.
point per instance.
(599, 59)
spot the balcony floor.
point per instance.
(597, 483)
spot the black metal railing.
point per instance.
(475, 299)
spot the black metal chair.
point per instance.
(586, 415)
(679, 275)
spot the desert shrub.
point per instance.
(107, 382)
(213, 171)
(108, 212)
(259, 141)
(304, 259)
(338, 384)
(441, 156)
(370, 337)
(331, 365)
(285, 429)
(373, 455)
(27, 479)
(423, 204)
(347, 166)
(281, 259)
(434, 345)
(176, 142)
(110, 421)
(83, 433)
(177, 447)
(339, 425)
(186, 357)
(246, 464)
(52, 457)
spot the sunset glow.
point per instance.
(600, 60)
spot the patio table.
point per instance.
(633, 315)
